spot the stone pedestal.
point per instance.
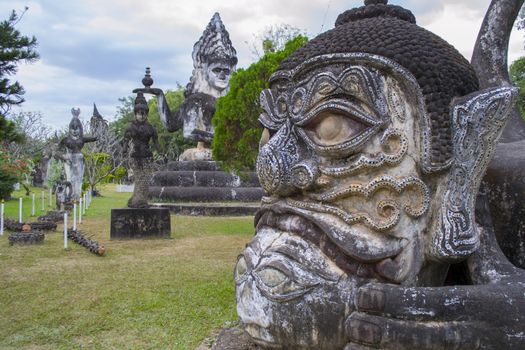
(202, 188)
(140, 223)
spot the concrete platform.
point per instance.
(211, 209)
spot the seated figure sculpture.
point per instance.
(377, 136)
(214, 60)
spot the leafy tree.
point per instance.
(8, 132)
(274, 38)
(35, 132)
(124, 115)
(102, 157)
(517, 77)
(237, 129)
(12, 170)
(14, 49)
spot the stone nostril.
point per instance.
(273, 169)
(304, 175)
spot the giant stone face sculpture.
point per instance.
(372, 158)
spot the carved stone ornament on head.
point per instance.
(375, 156)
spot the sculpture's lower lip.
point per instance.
(256, 329)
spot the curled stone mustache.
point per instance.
(363, 245)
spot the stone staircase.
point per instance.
(202, 188)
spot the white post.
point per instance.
(20, 210)
(65, 230)
(74, 215)
(80, 211)
(33, 205)
(2, 218)
(85, 203)
(50, 197)
(43, 200)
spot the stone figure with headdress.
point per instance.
(377, 135)
(70, 152)
(139, 135)
(214, 60)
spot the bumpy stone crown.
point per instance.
(390, 31)
(140, 103)
(214, 45)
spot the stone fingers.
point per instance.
(373, 331)
(421, 303)
(354, 346)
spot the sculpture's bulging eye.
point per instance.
(272, 277)
(241, 269)
(332, 128)
(282, 280)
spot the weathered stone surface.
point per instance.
(193, 166)
(70, 152)
(206, 194)
(211, 209)
(505, 188)
(139, 135)
(233, 339)
(26, 238)
(214, 60)
(204, 179)
(377, 139)
(140, 223)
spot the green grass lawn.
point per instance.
(143, 294)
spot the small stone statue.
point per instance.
(214, 60)
(63, 191)
(70, 152)
(377, 137)
(140, 134)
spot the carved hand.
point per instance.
(490, 314)
(460, 317)
(152, 91)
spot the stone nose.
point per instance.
(247, 296)
(275, 162)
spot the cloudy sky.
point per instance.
(96, 50)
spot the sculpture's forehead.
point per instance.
(342, 64)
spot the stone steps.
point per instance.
(196, 165)
(201, 188)
(203, 178)
(205, 194)
(211, 209)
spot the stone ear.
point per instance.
(477, 122)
